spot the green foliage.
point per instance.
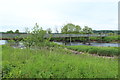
(71, 29)
(103, 51)
(107, 51)
(93, 50)
(38, 34)
(17, 31)
(55, 63)
(49, 31)
(75, 29)
(110, 32)
(36, 37)
(10, 31)
(114, 38)
(111, 38)
(94, 38)
(87, 30)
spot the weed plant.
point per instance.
(55, 63)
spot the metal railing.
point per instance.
(4, 35)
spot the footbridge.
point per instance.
(8, 36)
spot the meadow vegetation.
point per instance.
(108, 39)
(55, 62)
(102, 51)
(44, 59)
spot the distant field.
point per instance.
(55, 63)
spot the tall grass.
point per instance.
(55, 63)
(103, 51)
(112, 38)
(106, 39)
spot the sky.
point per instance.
(19, 14)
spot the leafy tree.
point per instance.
(49, 31)
(70, 28)
(36, 37)
(87, 30)
(10, 31)
(17, 31)
(77, 29)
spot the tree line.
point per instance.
(10, 31)
(73, 29)
(70, 28)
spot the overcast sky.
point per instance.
(97, 14)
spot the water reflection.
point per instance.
(13, 44)
(20, 44)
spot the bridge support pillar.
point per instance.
(88, 40)
(70, 40)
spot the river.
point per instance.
(2, 42)
(92, 44)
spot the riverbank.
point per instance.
(107, 39)
(101, 51)
(55, 62)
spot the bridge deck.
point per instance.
(5, 35)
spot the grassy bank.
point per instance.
(55, 63)
(107, 39)
(102, 51)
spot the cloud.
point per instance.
(51, 13)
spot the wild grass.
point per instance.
(115, 38)
(55, 63)
(102, 51)
(109, 39)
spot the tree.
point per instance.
(56, 30)
(10, 31)
(38, 33)
(49, 31)
(87, 30)
(17, 31)
(36, 37)
(70, 28)
(77, 29)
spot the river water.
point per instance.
(2, 42)
(92, 44)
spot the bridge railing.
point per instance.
(51, 35)
(74, 35)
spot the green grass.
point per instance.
(114, 38)
(55, 63)
(102, 51)
(109, 39)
